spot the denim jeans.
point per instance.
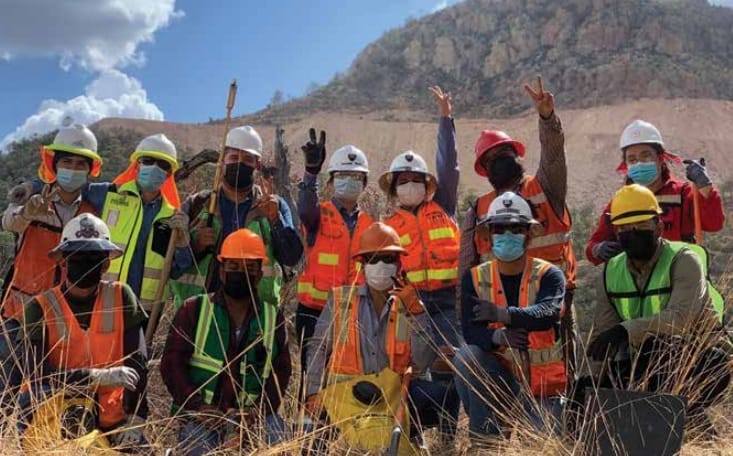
(489, 392)
(197, 439)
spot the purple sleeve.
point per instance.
(446, 164)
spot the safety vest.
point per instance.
(101, 346)
(632, 303)
(346, 361)
(34, 272)
(330, 261)
(211, 345)
(547, 368)
(431, 239)
(553, 244)
(196, 280)
(123, 214)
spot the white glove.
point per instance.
(179, 223)
(115, 376)
(131, 434)
(38, 205)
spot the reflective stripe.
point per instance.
(110, 276)
(546, 356)
(549, 239)
(208, 396)
(405, 239)
(440, 233)
(192, 279)
(108, 307)
(57, 314)
(311, 290)
(205, 362)
(537, 199)
(328, 259)
(432, 274)
(669, 199)
(152, 273)
(402, 330)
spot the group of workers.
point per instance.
(479, 315)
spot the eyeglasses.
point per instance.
(514, 229)
(374, 259)
(149, 161)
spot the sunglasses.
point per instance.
(387, 259)
(514, 229)
(149, 161)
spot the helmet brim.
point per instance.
(507, 219)
(154, 154)
(87, 245)
(386, 249)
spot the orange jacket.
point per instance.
(553, 244)
(101, 346)
(34, 271)
(329, 262)
(346, 360)
(547, 368)
(431, 239)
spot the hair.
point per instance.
(59, 154)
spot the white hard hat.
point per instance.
(508, 209)
(640, 132)
(348, 158)
(407, 162)
(245, 138)
(77, 139)
(85, 233)
(157, 146)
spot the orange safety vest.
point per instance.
(34, 271)
(431, 239)
(346, 361)
(553, 244)
(547, 368)
(101, 346)
(329, 262)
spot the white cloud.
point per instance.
(728, 3)
(95, 34)
(439, 6)
(112, 94)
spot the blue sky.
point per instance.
(173, 59)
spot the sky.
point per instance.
(173, 59)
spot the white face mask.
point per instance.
(379, 276)
(411, 193)
(347, 188)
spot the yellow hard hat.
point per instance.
(632, 204)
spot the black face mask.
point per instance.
(238, 175)
(504, 171)
(85, 270)
(236, 284)
(639, 245)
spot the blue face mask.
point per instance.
(643, 173)
(150, 178)
(71, 180)
(508, 246)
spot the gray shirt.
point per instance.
(372, 335)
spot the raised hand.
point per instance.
(39, 205)
(444, 101)
(314, 152)
(544, 102)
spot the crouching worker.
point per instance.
(226, 361)
(366, 340)
(84, 343)
(655, 302)
(511, 324)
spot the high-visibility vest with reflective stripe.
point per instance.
(123, 214)
(329, 262)
(346, 360)
(101, 346)
(632, 303)
(547, 368)
(431, 239)
(194, 281)
(553, 244)
(211, 344)
(34, 272)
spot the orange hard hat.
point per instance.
(379, 237)
(243, 244)
(490, 139)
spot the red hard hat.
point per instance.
(490, 139)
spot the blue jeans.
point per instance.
(441, 306)
(433, 404)
(489, 392)
(197, 439)
(11, 374)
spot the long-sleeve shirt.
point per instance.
(179, 347)
(551, 175)
(14, 222)
(32, 337)
(678, 219)
(542, 314)
(689, 306)
(372, 338)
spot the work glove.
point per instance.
(408, 294)
(697, 174)
(205, 239)
(606, 250)
(20, 193)
(270, 206)
(608, 343)
(115, 376)
(38, 206)
(516, 338)
(130, 436)
(314, 152)
(179, 223)
(486, 312)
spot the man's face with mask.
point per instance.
(85, 269)
(152, 173)
(347, 186)
(239, 278)
(503, 166)
(380, 269)
(640, 240)
(239, 168)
